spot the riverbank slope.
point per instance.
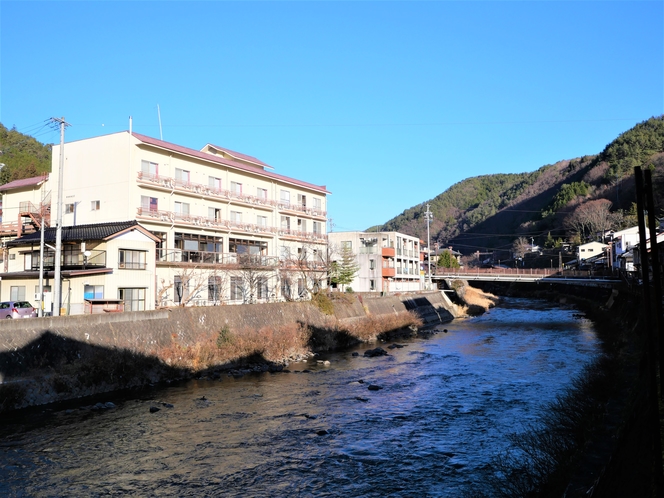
(54, 359)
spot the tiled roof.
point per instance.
(25, 182)
(97, 231)
(226, 162)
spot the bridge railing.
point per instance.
(541, 272)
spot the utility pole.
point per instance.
(429, 216)
(57, 292)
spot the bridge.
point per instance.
(598, 278)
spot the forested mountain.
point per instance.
(489, 212)
(22, 156)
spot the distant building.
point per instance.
(389, 261)
(590, 250)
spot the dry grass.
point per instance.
(273, 344)
(370, 327)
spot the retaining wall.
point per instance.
(144, 332)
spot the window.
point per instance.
(236, 188)
(148, 203)
(372, 264)
(132, 260)
(93, 291)
(317, 204)
(372, 285)
(284, 196)
(301, 291)
(253, 247)
(236, 288)
(285, 222)
(214, 214)
(346, 244)
(214, 183)
(302, 200)
(317, 227)
(94, 206)
(149, 168)
(17, 293)
(261, 193)
(286, 289)
(262, 291)
(236, 216)
(214, 288)
(181, 208)
(302, 225)
(134, 299)
(180, 289)
(261, 221)
(69, 208)
(182, 176)
(27, 261)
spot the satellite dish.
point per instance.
(87, 254)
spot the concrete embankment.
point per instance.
(48, 359)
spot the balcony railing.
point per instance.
(215, 258)
(71, 261)
(169, 183)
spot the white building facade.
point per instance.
(388, 261)
(229, 229)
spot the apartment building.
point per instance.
(388, 261)
(228, 229)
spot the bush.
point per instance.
(323, 302)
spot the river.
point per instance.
(445, 407)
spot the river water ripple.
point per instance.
(446, 405)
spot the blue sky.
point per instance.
(387, 103)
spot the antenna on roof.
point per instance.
(161, 137)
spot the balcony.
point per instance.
(389, 252)
(70, 260)
(287, 233)
(285, 206)
(205, 258)
(389, 272)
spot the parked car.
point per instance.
(17, 309)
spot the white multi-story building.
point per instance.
(229, 229)
(388, 261)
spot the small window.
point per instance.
(372, 285)
(181, 208)
(372, 264)
(261, 221)
(261, 193)
(182, 175)
(214, 183)
(69, 208)
(149, 203)
(93, 292)
(95, 205)
(132, 260)
(236, 188)
(149, 168)
(236, 216)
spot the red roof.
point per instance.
(226, 162)
(25, 182)
(239, 155)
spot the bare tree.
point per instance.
(520, 247)
(191, 284)
(591, 219)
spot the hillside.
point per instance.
(489, 212)
(22, 155)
